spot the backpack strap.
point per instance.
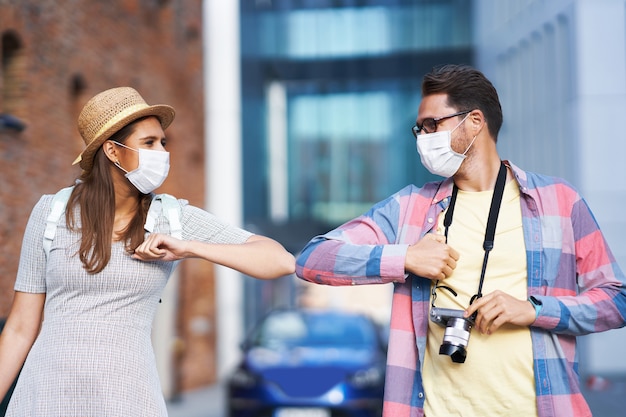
(57, 209)
(170, 207)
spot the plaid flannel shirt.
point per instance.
(570, 267)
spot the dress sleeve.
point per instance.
(31, 273)
(203, 226)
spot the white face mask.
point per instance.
(436, 152)
(152, 170)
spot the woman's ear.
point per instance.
(110, 150)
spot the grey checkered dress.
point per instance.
(94, 355)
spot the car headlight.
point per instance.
(243, 378)
(367, 377)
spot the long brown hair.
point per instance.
(94, 195)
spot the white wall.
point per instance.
(223, 163)
(559, 67)
(601, 109)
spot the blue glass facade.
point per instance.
(349, 72)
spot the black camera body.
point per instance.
(457, 333)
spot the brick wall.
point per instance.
(69, 51)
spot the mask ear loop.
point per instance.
(124, 146)
(470, 145)
(117, 164)
(460, 123)
(117, 161)
(472, 142)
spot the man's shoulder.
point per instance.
(411, 193)
(410, 196)
(541, 182)
(530, 180)
(428, 189)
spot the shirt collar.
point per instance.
(444, 190)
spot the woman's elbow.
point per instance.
(288, 264)
(281, 264)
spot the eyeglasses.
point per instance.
(429, 125)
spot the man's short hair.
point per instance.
(467, 89)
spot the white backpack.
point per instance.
(169, 206)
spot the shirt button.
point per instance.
(430, 220)
(420, 395)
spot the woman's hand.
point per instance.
(162, 248)
(19, 334)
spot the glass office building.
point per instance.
(330, 90)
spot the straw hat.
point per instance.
(108, 112)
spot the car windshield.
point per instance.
(289, 329)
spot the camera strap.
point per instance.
(490, 231)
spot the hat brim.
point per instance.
(163, 112)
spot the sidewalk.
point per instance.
(609, 401)
(607, 398)
(204, 402)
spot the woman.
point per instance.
(99, 280)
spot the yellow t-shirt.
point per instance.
(497, 376)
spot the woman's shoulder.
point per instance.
(41, 211)
(59, 199)
(169, 199)
(44, 203)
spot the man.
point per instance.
(516, 257)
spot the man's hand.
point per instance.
(498, 308)
(431, 258)
(162, 248)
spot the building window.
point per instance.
(12, 89)
(78, 97)
(11, 72)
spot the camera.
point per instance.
(457, 333)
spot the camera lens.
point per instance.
(456, 353)
(455, 339)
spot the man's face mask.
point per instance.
(152, 170)
(436, 152)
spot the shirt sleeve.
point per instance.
(362, 251)
(31, 273)
(600, 302)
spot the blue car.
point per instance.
(301, 363)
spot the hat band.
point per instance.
(114, 120)
(120, 116)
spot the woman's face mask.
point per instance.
(436, 152)
(152, 170)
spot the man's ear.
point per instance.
(478, 121)
(110, 150)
